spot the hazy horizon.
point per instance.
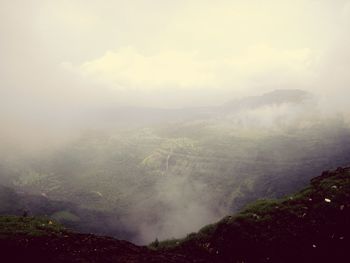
(170, 54)
(61, 60)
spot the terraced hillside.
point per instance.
(161, 173)
(147, 179)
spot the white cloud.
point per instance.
(129, 68)
(169, 50)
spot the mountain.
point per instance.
(273, 98)
(309, 226)
(143, 115)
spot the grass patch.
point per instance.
(33, 226)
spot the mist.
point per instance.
(149, 120)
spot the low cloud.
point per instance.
(128, 68)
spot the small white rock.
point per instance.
(327, 200)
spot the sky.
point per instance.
(75, 54)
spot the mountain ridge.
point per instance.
(155, 115)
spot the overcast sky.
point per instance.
(165, 53)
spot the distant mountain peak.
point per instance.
(275, 97)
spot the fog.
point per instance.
(163, 116)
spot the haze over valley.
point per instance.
(162, 173)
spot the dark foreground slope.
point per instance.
(32, 239)
(310, 226)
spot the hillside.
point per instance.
(32, 239)
(310, 226)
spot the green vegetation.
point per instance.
(33, 226)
